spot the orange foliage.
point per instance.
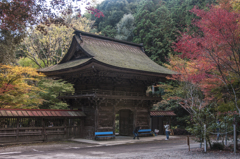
(18, 87)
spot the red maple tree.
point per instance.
(17, 14)
(214, 50)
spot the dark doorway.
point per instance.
(125, 122)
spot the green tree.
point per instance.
(125, 28)
(180, 11)
(50, 43)
(8, 42)
(52, 89)
(155, 29)
(113, 11)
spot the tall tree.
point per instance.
(8, 44)
(18, 15)
(125, 28)
(158, 23)
(113, 11)
(155, 29)
(46, 45)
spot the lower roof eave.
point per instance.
(93, 62)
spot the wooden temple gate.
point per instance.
(39, 124)
(110, 77)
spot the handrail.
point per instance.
(106, 92)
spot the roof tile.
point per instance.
(39, 113)
(162, 113)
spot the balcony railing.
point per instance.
(98, 92)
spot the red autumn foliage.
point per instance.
(6, 88)
(16, 14)
(95, 11)
(215, 50)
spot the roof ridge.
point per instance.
(79, 32)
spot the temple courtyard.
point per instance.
(123, 147)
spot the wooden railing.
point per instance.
(42, 132)
(108, 92)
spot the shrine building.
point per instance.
(110, 78)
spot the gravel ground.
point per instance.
(44, 146)
(172, 149)
(183, 154)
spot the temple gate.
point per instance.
(110, 77)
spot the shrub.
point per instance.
(181, 132)
(217, 146)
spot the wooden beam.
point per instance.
(101, 128)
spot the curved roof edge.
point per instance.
(91, 60)
(132, 70)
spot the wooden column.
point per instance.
(17, 133)
(135, 118)
(170, 125)
(114, 116)
(151, 123)
(96, 116)
(65, 127)
(44, 131)
(149, 115)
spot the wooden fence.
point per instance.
(13, 130)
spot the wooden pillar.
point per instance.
(170, 122)
(65, 127)
(114, 116)
(74, 130)
(44, 136)
(151, 123)
(96, 116)
(135, 118)
(69, 127)
(17, 133)
(149, 109)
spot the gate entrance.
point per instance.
(125, 122)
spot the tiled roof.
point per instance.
(162, 113)
(115, 53)
(40, 113)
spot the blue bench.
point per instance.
(145, 131)
(104, 134)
